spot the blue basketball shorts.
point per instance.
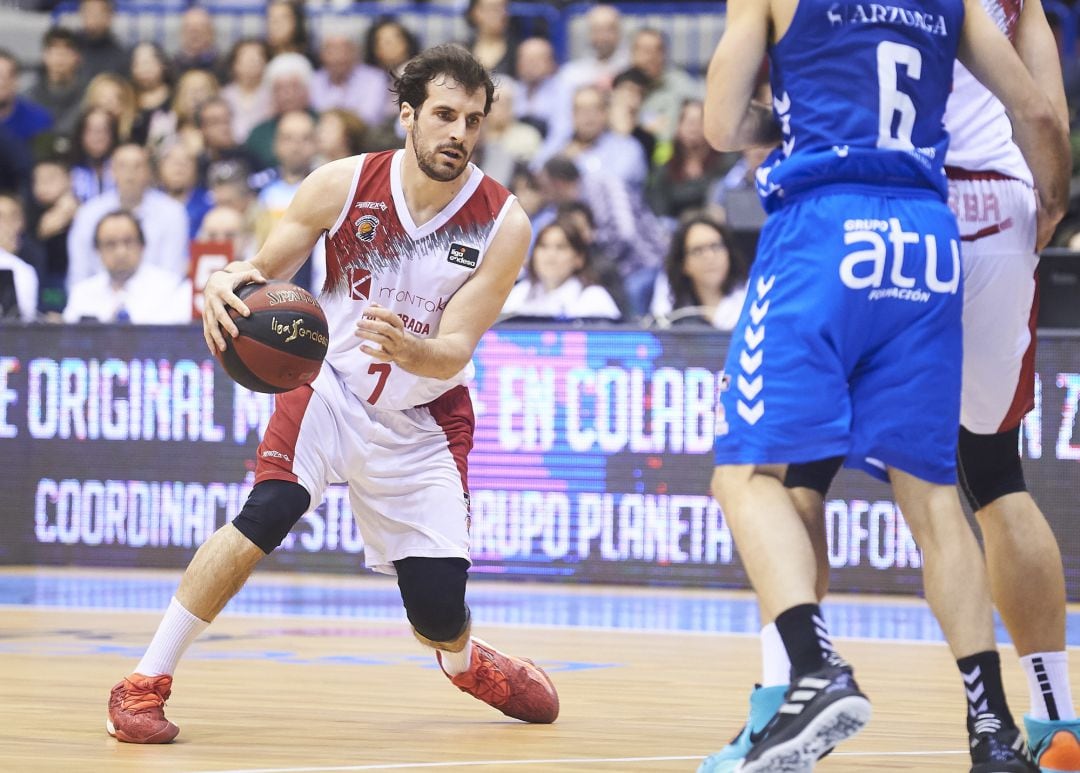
(849, 343)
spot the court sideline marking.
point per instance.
(567, 761)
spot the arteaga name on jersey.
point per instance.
(879, 13)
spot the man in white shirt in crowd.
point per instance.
(128, 288)
(164, 220)
(345, 82)
(25, 285)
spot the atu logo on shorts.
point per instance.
(865, 268)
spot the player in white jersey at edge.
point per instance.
(996, 746)
(422, 250)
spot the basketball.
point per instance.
(282, 343)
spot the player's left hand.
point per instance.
(389, 342)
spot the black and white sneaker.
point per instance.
(996, 748)
(820, 710)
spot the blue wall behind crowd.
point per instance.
(128, 447)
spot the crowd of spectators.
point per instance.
(119, 165)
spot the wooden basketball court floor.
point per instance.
(319, 673)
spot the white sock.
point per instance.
(775, 664)
(178, 629)
(455, 663)
(1048, 684)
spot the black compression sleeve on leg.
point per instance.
(989, 466)
(433, 591)
(273, 507)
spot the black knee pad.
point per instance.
(817, 475)
(988, 466)
(433, 591)
(273, 507)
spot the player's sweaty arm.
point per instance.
(732, 120)
(1037, 127)
(1035, 43)
(469, 313)
(313, 210)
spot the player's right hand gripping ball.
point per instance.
(282, 343)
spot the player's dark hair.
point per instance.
(122, 214)
(450, 61)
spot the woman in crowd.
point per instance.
(178, 124)
(682, 184)
(153, 88)
(339, 134)
(705, 276)
(389, 44)
(559, 283)
(494, 41)
(95, 138)
(248, 96)
(286, 29)
(115, 94)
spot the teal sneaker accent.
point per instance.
(764, 703)
(1055, 744)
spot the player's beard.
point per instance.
(434, 165)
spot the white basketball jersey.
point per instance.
(376, 254)
(980, 133)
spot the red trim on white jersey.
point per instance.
(453, 411)
(277, 451)
(1024, 397)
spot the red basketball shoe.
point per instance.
(137, 710)
(515, 686)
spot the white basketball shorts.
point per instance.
(406, 469)
(997, 219)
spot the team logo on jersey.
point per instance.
(460, 255)
(359, 284)
(365, 228)
(380, 205)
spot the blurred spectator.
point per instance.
(607, 59)
(286, 29)
(59, 86)
(289, 76)
(115, 94)
(229, 186)
(627, 96)
(625, 228)
(345, 82)
(294, 146)
(23, 117)
(735, 194)
(52, 209)
(214, 119)
(101, 51)
(247, 92)
(15, 162)
(579, 216)
(493, 40)
(559, 283)
(596, 149)
(339, 134)
(668, 88)
(165, 221)
(536, 97)
(25, 281)
(506, 142)
(13, 235)
(178, 174)
(96, 137)
(225, 224)
(193, 88)
(198, 42)
(127, 287)
(705, 277)
(526, 187)
(389, 45)
(152, 82)
(683, 183)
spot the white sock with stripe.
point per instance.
(1048, 685)
(775, 664)
(178, 629)
(454, 663)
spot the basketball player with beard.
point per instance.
(421, 251)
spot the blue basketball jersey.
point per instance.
(859, 91)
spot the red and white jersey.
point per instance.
(980, 133)
(375, 253)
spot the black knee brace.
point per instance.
(273, 507)
(989, 466)
(817, 475)
(433, 591)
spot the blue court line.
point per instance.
(665, 611)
